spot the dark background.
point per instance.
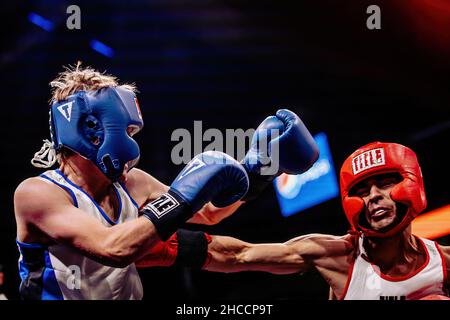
(231, 64)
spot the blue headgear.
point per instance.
(96, 125)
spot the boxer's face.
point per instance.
(124, 176)
(131, 131)
(380, 210)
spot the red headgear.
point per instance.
(379, 158)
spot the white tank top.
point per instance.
(366, 282)
(60, 272)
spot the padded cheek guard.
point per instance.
(380, 158)
(94, 124)
(411, 192)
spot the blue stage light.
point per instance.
(102, 48)
(40, 21)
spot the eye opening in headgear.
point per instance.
(362, 188)
(91, 124)
(93, 129)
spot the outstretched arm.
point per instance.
(227, 254)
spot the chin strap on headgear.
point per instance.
(46, 157)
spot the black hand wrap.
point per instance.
(192, 249)
(167, 213)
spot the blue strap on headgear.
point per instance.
(95, 123)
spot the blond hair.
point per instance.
(75, 78)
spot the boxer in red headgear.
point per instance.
(389, 160)
(382, 191)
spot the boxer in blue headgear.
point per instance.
(98, 125)
(81, 227)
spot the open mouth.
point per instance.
(379, 213)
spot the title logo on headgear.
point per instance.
(66, 110)
(369, 159)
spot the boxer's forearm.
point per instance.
(129, 241)
(229, 254)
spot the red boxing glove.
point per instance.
(163, 254)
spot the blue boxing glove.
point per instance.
(210, 176)
(280, 144)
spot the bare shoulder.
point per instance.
(144, 187)
(330, 255)
(445, 250)
(324, 245)
(34, 196)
